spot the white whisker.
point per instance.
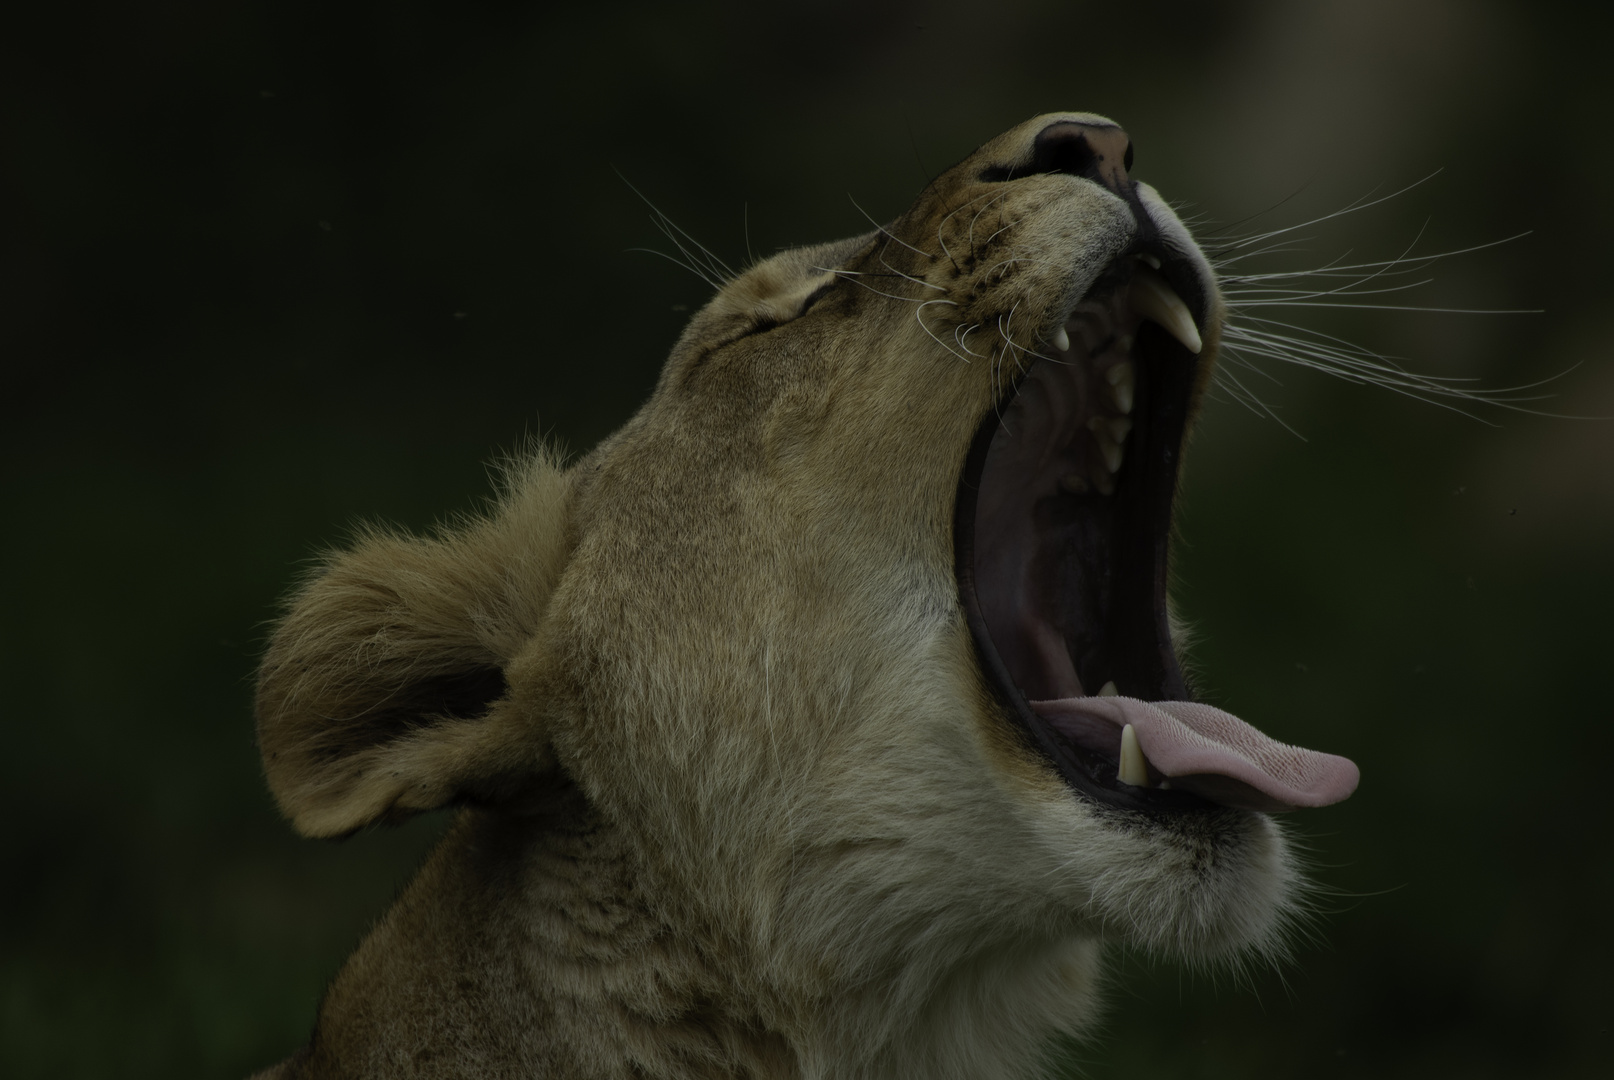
(854, 276)
(919, 316)
(701, 260)
(1412, 307)
(946, 218)
(909, 277)
(886, 232)
(1249, 338)
(1365, 202)
(977, 217)
(714, 284)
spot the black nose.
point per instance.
(1101, 153)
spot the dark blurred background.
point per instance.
(271, 269)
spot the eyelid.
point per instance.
(817, 295)
(761, 324)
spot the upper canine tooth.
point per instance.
(1061, 340)
(1153, 299)
(1133, 769)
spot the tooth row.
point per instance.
(1109, 436)
(1152, 299)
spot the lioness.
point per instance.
(823, 720)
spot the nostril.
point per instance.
(1063, 148)
(1099, 153)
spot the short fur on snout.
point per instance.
(735, 796)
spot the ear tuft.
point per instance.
(383, 690)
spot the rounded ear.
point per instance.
(383, 692)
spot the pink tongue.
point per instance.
(1206, 751)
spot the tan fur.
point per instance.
(737, 801)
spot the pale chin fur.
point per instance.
(969, 937)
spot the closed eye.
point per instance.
(764, 323)
(817, 295)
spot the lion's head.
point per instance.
(843, 670)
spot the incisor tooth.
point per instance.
(1155, 301)
(1109, 690)
(1073, 484)
(1061, 340)
(1132, 770)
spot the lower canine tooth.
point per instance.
(1133, 769)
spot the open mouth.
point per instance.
(1061, 542)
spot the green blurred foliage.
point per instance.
(274, 269)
